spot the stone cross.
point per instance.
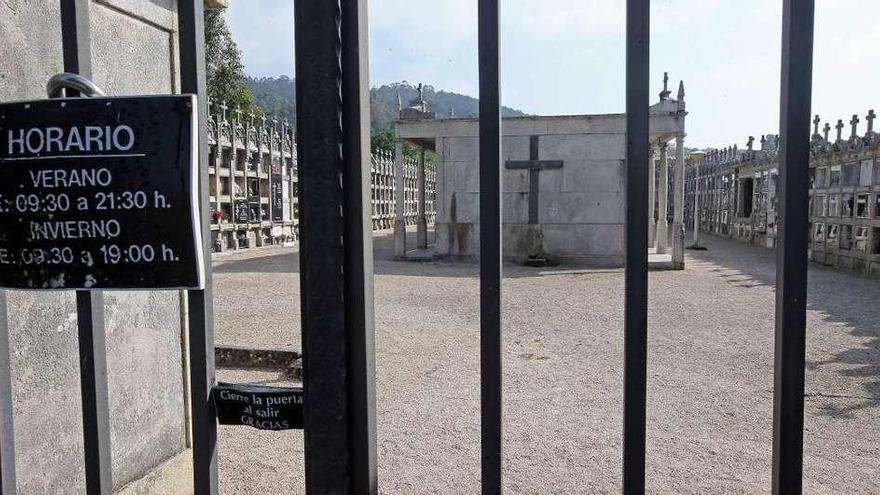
(827, 130)
(751, 143)
(237, 113)
(855, 126)
(223, 109)
(534, 166)
(274, 124)
(870, 118)
(816, 125)
(763, 142)
(839, 128)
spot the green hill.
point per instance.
(277, 97)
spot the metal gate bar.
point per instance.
(7, 434)
(791, 248)
(76, 48)
(636, 274)
(190, 18)
(490, 244)
(336, 264)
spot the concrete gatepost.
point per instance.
(421, 220)
(652, 183)
(662, 210)
(399, 202)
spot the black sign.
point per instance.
(277, 197)
(264, 408)
(99, 193)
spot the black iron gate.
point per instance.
(337, 265)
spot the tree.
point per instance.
(226, 80)
(383, 140)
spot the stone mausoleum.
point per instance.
(563, 184)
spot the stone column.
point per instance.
(697, 167)
(663, 194)
(399, 202)
(421, 221)
(678, 205)
(652, 180)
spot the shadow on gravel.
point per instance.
(841, 297)
(286, 260)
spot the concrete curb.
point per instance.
(234, 357)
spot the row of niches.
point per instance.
(854, 174)
(847, 205)
(847, 237)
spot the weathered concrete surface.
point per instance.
(143, 330)
(710, 376)
(580, 206)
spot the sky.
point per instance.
(567, 56)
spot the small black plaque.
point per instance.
(100, 193)
(264, 408)
(277, 185)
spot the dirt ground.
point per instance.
(710, 375)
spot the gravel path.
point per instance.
(710, 375)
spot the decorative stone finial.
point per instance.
(763, 142)
(681, 90)
(750, 143)
(855, 125)
(664, 95)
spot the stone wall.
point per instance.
(738, 195)
(244, 153)
(134, 52)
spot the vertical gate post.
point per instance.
(791, 250)
(490, 244)
(636, 276)
(336, 257)
(7, 443)
(200, 302)
(76, 49)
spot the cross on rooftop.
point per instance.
(665, 93)
(870, 118)
(827, 130)
(816, 122)
(839, 128)
(855, 125)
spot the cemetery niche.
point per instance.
(86, 188)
